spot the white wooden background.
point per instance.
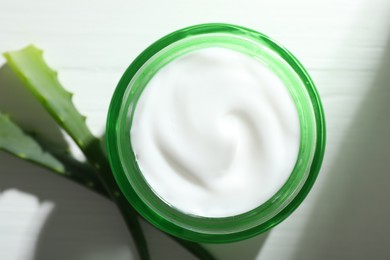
(343, 44)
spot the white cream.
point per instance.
(216, 133)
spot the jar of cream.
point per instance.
(215, 133)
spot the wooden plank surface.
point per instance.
(345, 47)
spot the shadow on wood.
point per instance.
(350, 219)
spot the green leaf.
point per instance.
(42, 81)
(16, 142)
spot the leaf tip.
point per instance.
(31, 48)
(34, 48)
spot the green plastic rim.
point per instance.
(123, 160)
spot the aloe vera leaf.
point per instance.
(42, 82)
(38, 77)
(16, 142)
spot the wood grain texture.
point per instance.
(345, 47)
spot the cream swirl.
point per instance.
(216, 133)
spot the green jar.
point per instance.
(123, 160)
